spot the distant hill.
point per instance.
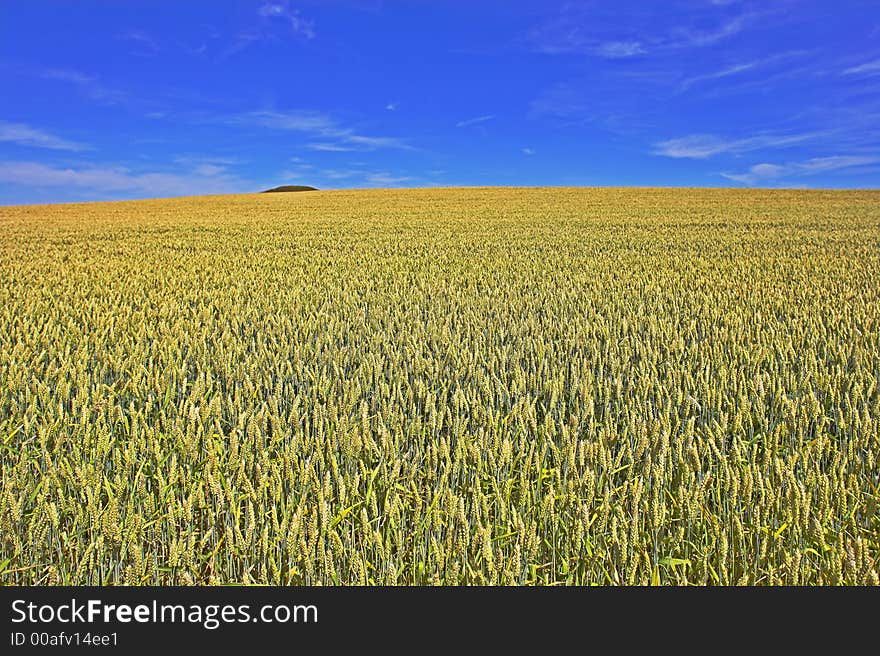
(289, 188)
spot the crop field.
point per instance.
(443, 386)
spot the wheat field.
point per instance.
(443, 386)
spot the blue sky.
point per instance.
(133, 99)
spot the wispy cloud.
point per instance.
(762, 173)
(25, 135)
(619, 49)
(384, 179)
(146, 44)
(701, 146)
(241, 42)
(277, 22)
(716, 75)
(751, 66)
(757, 173)
(528, 151)
(89, 85)
(821, 164)
(120, 180)
(333, 135)
(297, 121)
(217, 162)
(67, 75)
(474, 121)
(685, 37)
(330, 147)
(336, 174)
(565, 38)
(868, 68)
(391, 107)
(572, 32)
(281, 10)
(563, 100)
(344, 178)
(575, 31)
(372, 143)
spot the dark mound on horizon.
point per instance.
(289, 188)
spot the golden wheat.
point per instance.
(451, 386)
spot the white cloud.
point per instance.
(696, 146)
(67, 75)
(195, 160)
(336, 174)
(575, 31)
(760, 173)
(562, 100)
(302, 121)
(725, 72)
(298, 24)
(474, 121)
(278, 21)
(335, 137)
(690, 37)
(269, 9)
(619, 49)
(570, 33)
(25, 135)
(209, 170)
(149, 46)
(701, 146)
(737, 69)
(204, 179)
(868, 68)
(757, 173)
(371, 143)
(329, 147)
(241, 42)
(528, 151)
(820, 164)
(384, 179)
(574, 42)
(358, 176)
(391, 107)
(88, 84)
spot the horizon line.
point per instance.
(450, 187)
